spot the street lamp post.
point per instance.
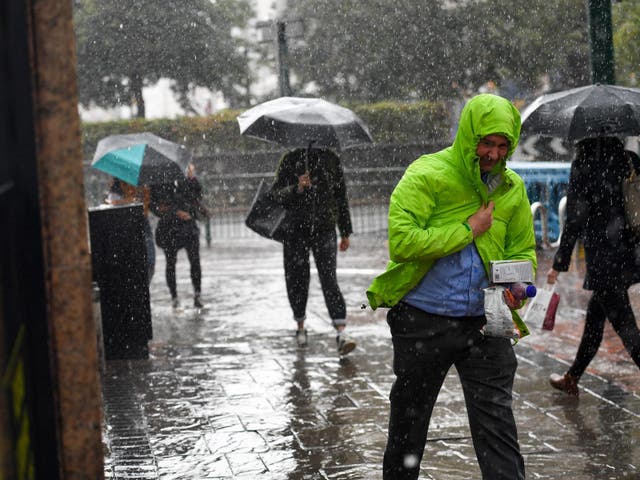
(283, 59)
(285, 30)
(601, 40)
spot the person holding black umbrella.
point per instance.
(310, 184)
(595, 213)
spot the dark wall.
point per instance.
(23, 320)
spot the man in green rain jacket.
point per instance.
(451, 214)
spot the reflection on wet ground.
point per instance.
(227, 394)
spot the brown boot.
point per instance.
(567, 383)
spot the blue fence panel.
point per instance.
(546, 183)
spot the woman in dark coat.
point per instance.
(310, 184)
(175, 205)
(595, 213)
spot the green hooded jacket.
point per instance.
(439, 192)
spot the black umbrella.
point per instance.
(141, 158)
(299, 122)
(584, 112)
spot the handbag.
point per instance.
(631, 196)
(267, 217)
(542, 309)
(201, 212)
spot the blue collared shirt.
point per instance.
(453, 287)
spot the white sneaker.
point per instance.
(345, 344)
(301, 337)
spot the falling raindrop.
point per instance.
(410, 461)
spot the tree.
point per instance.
(433, 49)
(509, 42)
(123, 46)
(626, 41)
(374, 50)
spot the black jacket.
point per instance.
(321, 207)
(595, 213)
(173, 232)
(191, 192)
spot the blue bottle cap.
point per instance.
(531, 291)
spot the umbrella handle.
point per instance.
(306, 155)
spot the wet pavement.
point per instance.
(226, 394)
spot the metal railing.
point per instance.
(230, 181)
(368, 219)
(538, 209)
(562, 218)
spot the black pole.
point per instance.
(283, 60)
(601, 39)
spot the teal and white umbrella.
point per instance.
(141, 158)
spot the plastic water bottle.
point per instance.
(522, 291)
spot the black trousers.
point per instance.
(297, 271)
(192, 246)
(614, 305)
(425, 346)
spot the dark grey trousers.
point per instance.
(425, 346)
(614, 305)
(297, 273)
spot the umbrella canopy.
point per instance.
(584, 112)
(141, 158)
(297, 122)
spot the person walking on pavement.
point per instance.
(595, 213)
(310, 184)
(175, 206)
(451, 213)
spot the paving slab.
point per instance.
(226, 394)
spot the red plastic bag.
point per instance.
(550, 317)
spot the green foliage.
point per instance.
(626, 41)
(373, 51)
(388, 122)
(508, 41)
(399, 50)
(394, 122)
(124, 46)
(430, 49)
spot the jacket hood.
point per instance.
(483, 115)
